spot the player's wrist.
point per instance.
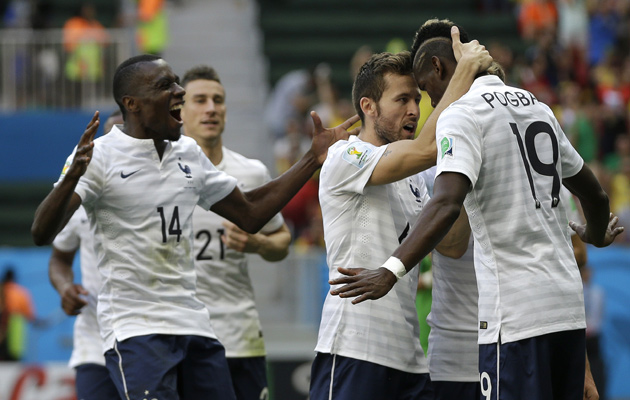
(395, 266)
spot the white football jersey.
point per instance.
(363, 225)
(453, 349)
(86, 340)
(140, 209)
(223, 282)
(515, 154)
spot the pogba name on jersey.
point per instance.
(509, 99)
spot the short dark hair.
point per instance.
(125, 76)
(441, 29)
(439, 47)
(370, 81)
(205, 72)
(434, 28)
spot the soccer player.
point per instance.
(453, 351)
(139, 186)
(504, 156)
(220, 247)
(373, 351)
(92, 379)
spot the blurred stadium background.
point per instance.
(45, 105)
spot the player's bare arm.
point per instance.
(62, 279)
(253, 209)
(455, 243)
(590, 390)
(57, 208)
(409, 157)
(601, 225)
(433, 224)
(272, 246)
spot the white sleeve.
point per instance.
(276, 222)
(350, 166)
(459, 143)
(571, 161)
(69, 239)
(215, 184)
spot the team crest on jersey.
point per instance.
(416, 193)
(446, 147)
(185, 169)
(357, 154)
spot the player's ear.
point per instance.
(438, 67)
(368, 106)
(130, 104)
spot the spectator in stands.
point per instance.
(574, 113)
(604, 25)
(535, 16)
(83, 41)
(291, 98)
(152, 32)
(17, 309)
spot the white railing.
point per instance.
(36, 71)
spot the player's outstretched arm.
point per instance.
(434, 222)
(62, 279)
(601, 225)
(253, 209)
(408, 157)
(57, 208)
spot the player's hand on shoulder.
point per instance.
(364, 284)
(323, 138)
(71, 298)
(83, 154)
(471, 53)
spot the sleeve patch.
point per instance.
(446, 147)
(66, 166)
(357, 154)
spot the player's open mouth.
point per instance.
(411, 128)
(176, 112)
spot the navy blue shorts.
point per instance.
(547, 367)
(341, 378)
(449, 390)
(170, 367)
(92, 382)
(249, 377)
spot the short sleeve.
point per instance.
(91, 183)
(277, 221)
(350, 166)
(459, 143)
(215, 185)
(69, 239)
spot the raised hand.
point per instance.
(367, 284)
(611, 231)
(83, 155)
(71, 300)
(323, 138)
(471, 52)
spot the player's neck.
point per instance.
(214, 151)
(368, 134)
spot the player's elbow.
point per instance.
(39, 237)
(448, 209)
